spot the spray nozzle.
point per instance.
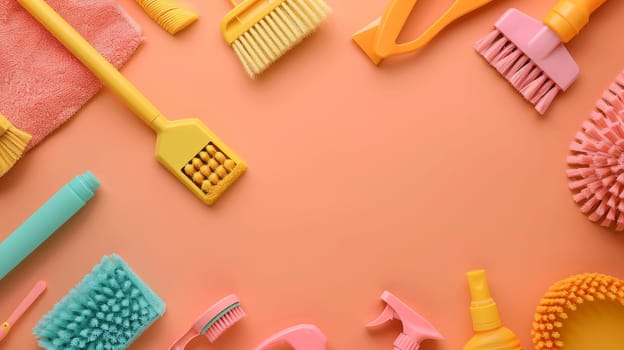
(415, 328)
(482, 308)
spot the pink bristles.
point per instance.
(226, 321)
(517, 68)
(597, 162)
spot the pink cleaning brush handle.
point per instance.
(37, 290)
(183, 341)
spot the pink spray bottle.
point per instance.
(415, 328)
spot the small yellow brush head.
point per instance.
(260, 32)
(169, 15)
(13, 142)
(198, 158)
(581, 312)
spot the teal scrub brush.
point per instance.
(108, 310)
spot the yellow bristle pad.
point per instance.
(261, 32)
(208, 169)
(205, 170)
(213, 164)
(221, 171)
(168, 14)
(206, 186)
(198, 178)
(581, 312)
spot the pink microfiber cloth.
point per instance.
(41, 84)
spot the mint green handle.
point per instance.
(45, 221)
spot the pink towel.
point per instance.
(41, 84)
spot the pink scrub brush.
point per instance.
(597, 162)
(531, 55)
(213, 322)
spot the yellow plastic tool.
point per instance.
(581, 312)
(260, 31)
(568, 17)
(486, 322)
(379, 39)
(180, 143)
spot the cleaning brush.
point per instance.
(168, 14)
(13, 142)
(213, 322)
(597, 162)
(109, 309)
(597, 298)
(261, 31)
(531, 55)
(187, 148)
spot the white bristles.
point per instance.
(534, 85)
(279, 31)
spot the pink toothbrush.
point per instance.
(415, 327)
(37, 290)
(299, 337)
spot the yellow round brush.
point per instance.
(581, 312)
(13, 142)
(168, 14)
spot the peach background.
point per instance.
(361, 179)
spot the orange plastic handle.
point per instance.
(398, 11)
(568, 17)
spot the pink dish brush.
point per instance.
(597, 162)
(531, 55)
(213, 322)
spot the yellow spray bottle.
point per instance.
(489, 331)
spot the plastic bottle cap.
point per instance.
(483, 309)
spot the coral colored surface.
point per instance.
(361, 179)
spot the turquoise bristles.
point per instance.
(108, 310)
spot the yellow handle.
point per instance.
(99, 66)
(568, 17)
(397, 13)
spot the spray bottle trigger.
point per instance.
(388, 314)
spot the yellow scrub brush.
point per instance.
(261, 31)
(13, 142)
(186, 147)
(582, 312)
(168, 14)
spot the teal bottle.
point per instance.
(45, 221)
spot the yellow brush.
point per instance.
(180, 143)
(582, 312)
(168, 14)
(13, 142)
(261, 31)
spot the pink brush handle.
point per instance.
(37, 290)
(183, 341)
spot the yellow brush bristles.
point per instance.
(13, 142)
(564, 298)
(279, 31)
(168, 14)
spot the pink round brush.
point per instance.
(597, 162)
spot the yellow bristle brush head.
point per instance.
(13, 142)
(179, 143)
(198, 158)
(581, 312)
(260, 32)
(168, 14)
